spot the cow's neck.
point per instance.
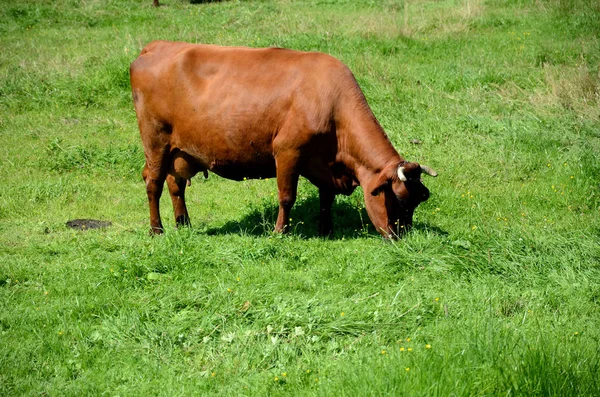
(365, 148)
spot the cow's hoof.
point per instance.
(155, 231)
(183, 221)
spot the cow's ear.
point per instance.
(383, 180)
(379, 188)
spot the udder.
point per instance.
(185, 166)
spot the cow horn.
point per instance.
(401, 174)
(428, 170)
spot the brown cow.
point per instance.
(257, 113)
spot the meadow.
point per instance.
(496, 290)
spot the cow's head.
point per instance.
(391, 197)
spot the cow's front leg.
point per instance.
(287, 185)
(177, 191)
(326, 198)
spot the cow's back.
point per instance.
(232, 84)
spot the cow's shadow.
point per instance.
(349, 221)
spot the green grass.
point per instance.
(495, 292)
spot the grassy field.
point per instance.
(496, 291)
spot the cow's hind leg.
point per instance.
(183, 168)
(177, 186)
(155, 179)
(156, 149)
(287, 185)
